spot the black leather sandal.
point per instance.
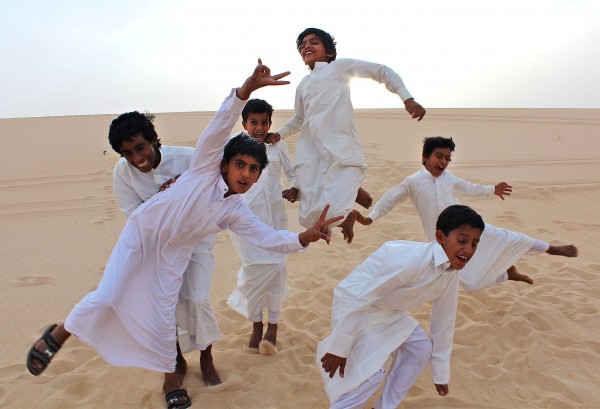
(45, 356)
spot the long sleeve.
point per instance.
(377, 72)
(209, 149)
(389, 200)
(127, 198)
(251, 228)
(443, 317)
(286, 163)
(467, 188)
(368, 283)
(295, 123)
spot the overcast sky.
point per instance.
(106, 57)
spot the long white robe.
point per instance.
(498, 248)
(262, 278)
(197, 324)
(130, 318)
(369, 317)
(330, 163)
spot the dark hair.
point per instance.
(244, 144)
(455, 216)
(432, 142)
(257, 106)
(130, 124)
(325, 37)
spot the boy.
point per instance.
(330, 163)
(145, 168)
(370, 320)
(130, 318)
(432, 189)
(262, 276)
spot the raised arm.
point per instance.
(209, 149)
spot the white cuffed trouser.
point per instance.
(408, 361)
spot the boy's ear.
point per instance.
(223, 167)
(244, 124)
(439, 236)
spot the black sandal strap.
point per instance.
(173, 399)
(53, 346)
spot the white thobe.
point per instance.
(498, 248)
(130, 318)
(262, 276)
(198, 326)
(330, 163)
(370, 319)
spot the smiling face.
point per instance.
(257, 125)
(240, 173)
(140, 153)
(312, 50)
(438, 161)
(460, 244)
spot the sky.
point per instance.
(111, 56)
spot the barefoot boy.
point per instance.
(262, 276)
(434, 188)
(370, 320)
(130, 318)
(330, 163)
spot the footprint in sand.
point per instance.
(29, 281)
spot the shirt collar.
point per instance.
(440, 259)
(319, 65)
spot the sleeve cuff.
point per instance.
(340, 343)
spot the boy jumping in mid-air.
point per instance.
(262, 276)
(130, 318)
(370, 318)
(434, 188)
(330, 163)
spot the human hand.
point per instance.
(502, 189)
(362, 219)
(320, 230)
(331, 363)
(168, 183)
(272, 137)
(261, 77)
(442, 390)
(414, 108)
(290, 194)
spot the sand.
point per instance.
(516, 346)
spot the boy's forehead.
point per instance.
(249, 159)
(445, 151)
(258, 116)
(309, 37)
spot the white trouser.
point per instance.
(194, 315)
(408, 361)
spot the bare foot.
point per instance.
(567, 251)
(347, 227)
(271, 334)
(209, 372)
(180, 366)
(363, 198)
(514, 275)
(268, 345)
(257, 333)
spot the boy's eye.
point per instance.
(254, 169)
